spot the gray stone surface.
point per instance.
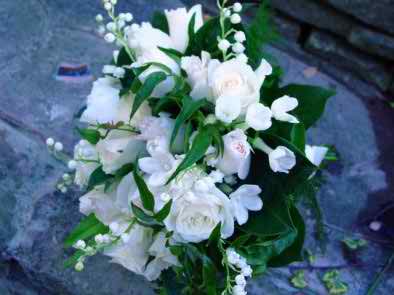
(372, 42)
(332, 49)
(35, 219)
(378, 13)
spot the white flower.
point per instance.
(237, 7)
(134, 254)
(238, 48)
(163, 258)
(195, 215)
(282, 159)
(108, 70)
(105, 106)
(58, 146)
(316, 154)
(258, 117)
(197, 73)
(235, 18)
(99, 18)
(109, 38)
(239, 290)
(245, 198)
(240, 280)
(79, 266)
(108, 6)
(227, 108)
(237, 154)
(119, 148)
(119, 72)
(235, 78)
(247, 271)
(178, 23)
(128, 17)
(242, 58)
(84, 163)
(232, 256)
(240, 36)
(224, 45)
(281, 106)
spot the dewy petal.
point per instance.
(284, 104)
(258, 117)
(316, 154)
(241, 214)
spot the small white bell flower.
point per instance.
(109, 38)
(79, 266)
(50, 142)
(240, 280)
(58, 146)
(242, 58)
(282, 159)
(108, 6)
(237, 7)
(235, 19)
(258, 117)
(281, 106)
(224, 45)
(240, 36)
(72, 165)
(99, 18)
(129, 17)
(238, 48)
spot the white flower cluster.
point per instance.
(244, 271)
(197, 198)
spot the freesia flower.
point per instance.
(178, 23)
(281, 106)
(245, 198)
(258, 117)
(237, 154)
(282, 159)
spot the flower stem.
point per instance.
(259, 144)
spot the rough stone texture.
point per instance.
(372, 42)
(35, 219)
(376, 13)
(332, 49)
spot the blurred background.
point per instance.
(50, 53)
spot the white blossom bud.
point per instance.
(240, 36)
(101, 30)
(224, 45)
(242, 58)
(227, 12)
(80, 244)
(237, 7)
(240, 280)
(114, 2)
(108, 6)
(238, 48)
(247, 271)
(72, 165)
(79, 266)
(235, 18)
(66, 176)
(99, 18)
(58, 146)
(63, 190)
(99, 239)
(119, 72)
(111, 26)
(110, 38)
(128, 17)
(239, 290)
(121, 24)
(50, 141)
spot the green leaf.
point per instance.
(260, 32)
(298, 280)
(142, 216)
(147, 198)
(172, 53)
(333, 283)
(87, 228)
(190, 29)
(200, 145)
(215, 235)
(189, 107)
(146, 89)
(71, 261)
(123, 58)
(298, 135)
(98, 177)
(164, 212)
(206, 38)
(91, 135)
(354, 244)
(209, 276)
(159, 21)
(162, 104)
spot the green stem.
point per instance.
(380, 275)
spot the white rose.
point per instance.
(163, 258)
(281, 106)
(105, 106)
(178, 23)
(245, 198)
(195, 215)
(258, 117)
(235, 78)
(102, 103)
(119, 148)
(282, 159)
(85, 156)
(237, 154)
(228, 108)
(133, 255)
(197, 70)
(316, 154)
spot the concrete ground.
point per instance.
(36, 36)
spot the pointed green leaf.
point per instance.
(199, 147)
(142, 216)
(147, 198)
(215, 235)
(172, 53)
(159, 21)
(91, 135)
(146, 90)
(98, 177)
(298, 136)
(189, 107)
(87, 228)
(164, 212)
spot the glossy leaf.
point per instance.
(91, 135)
(147, 198)
(164, 212)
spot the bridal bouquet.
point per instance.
(193, 154)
